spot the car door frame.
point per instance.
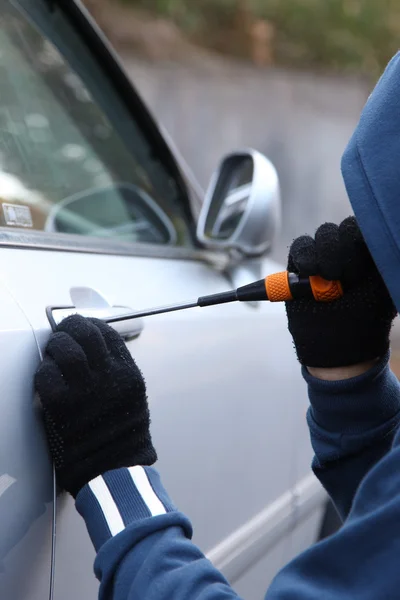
(43, 13)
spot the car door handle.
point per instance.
(89, 302)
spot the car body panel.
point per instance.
(220, 393)
(26, 490)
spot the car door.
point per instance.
(26, 489)
(95, 214)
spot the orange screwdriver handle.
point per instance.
(325, 291)
(284, 286)
(278, 288)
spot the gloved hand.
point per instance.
(353, 329)
(94, 403)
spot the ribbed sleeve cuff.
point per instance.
(357, 405)
(117, 499)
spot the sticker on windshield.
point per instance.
(18, 216)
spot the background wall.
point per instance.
(301, 121)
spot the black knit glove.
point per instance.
(354, 328)
(94, 403)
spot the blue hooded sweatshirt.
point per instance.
(143, 543)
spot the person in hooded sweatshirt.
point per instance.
(103, 457)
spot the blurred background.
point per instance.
(287, 77)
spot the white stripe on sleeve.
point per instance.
(107, 505)
(6, 481)
(147, 493)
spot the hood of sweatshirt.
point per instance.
(371, 172)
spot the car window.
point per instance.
(64, 167)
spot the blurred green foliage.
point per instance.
(353, 35)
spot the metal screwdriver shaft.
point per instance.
(153, 311)
(279, 287)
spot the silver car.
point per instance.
(97, 216)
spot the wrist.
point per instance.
(342, 373)
(355, 405)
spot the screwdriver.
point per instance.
(279, 287)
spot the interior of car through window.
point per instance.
(140, 165)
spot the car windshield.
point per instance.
(61, 152)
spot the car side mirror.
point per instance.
(242, 208)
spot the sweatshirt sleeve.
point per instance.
(144, 549)
(143, 542)
(360, 562)
(352, 425)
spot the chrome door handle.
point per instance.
(91, 303)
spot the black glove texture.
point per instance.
(94, 403)
(356, 327)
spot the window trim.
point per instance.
(63, 242)
(110, 64)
